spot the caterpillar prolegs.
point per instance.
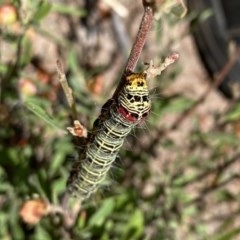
(117, 118)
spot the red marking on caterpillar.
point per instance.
(127, 115)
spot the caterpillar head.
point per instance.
(134, 102)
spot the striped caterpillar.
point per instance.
(117, 118)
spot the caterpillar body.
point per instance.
(117, 118)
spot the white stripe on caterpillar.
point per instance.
(117, 118)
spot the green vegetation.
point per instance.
(157, 189)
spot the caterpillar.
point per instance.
(117, 118)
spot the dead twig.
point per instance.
(153, 71)
(67, 90)
(78, 129)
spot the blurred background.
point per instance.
(178, 174)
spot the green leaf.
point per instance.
(173, 105)
(3, 68)
(34, 107)
(26, 54)
(183, 179)
(41, 233)
(43, 9)
(135, 225)
(57, 187)
(179, 9)
(3, 223)
(104, 211)
(222, 139)
(206, 14)
(229, 235)
(179, 105)
(234, 114)
(190, 211)
(62, 148)
(62, 8)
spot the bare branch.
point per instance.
(140, 40)
(153, 71)
(78, 130)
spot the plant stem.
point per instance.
(140, 40)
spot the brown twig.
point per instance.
(78, 129)
(67, 90)
(140, 40)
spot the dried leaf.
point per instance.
(33, 210)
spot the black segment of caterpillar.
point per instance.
(117, 118)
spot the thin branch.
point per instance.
(67, 90)
(78, 129)
(70, 215)
(140, 40)
(153, 71)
